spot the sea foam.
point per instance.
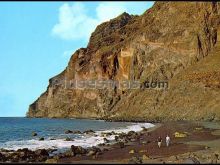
(83, 141)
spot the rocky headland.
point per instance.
(174, 42)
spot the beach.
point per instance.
(191, 142)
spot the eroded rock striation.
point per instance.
(177, 42)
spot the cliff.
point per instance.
(174, 42)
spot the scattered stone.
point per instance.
(2, 158)
(68, 131)
(42, 152)
(69, 139)
(180, 135)
(91, 153)
(145, 157)
(144, 129)
(131, 151)
(34, 134)
(77, 150)
(136, 160)
(77, 132)
(41, 139)
(52, 160)
(207, 147)
(89, 132)
(195, 160)
(106, 140)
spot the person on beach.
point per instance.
(167, 141)
(159, 141)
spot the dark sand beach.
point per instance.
(181, 150)
(191, 142)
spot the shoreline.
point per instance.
(142, 146)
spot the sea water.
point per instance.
(16, 133)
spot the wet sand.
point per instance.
(197, 137)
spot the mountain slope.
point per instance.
(160, 45)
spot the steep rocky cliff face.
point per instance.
(177, 42)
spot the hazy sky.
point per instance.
(37, 40)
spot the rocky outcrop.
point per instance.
(171, 42)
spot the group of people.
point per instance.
(167, 139)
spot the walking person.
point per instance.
(159, 141)
(167, 141)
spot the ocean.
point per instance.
(16, 132)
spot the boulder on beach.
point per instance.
(41, 139)
(180, 135)
(145, 157)
(91, 153)
(51, 160)
(135, 160)
(2, 157)
(42, 152)
(78, 150)
(131, 151)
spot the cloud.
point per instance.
(75, 23)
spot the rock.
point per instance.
(51, 160)
(101, 144)
(34, 134)
(78, 150)
(2, 157)
(91, 153)
(135, 160)
(52, 139)
(179, 135)
(207, 147)
(68, 153)
(145, 157)
(69, 139)
(106, 140)
(68, 131)
(214, 158)
(116, 138)
(195, 160)
(77, 132)
(41, 139)
(42, 152)
(173, 158)
(131, 151)
(89, 132)
(130, 133)
(144, 129)
(51, 150)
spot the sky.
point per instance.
(37, 40)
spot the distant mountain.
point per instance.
(173, 42)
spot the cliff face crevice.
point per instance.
(160, 45)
